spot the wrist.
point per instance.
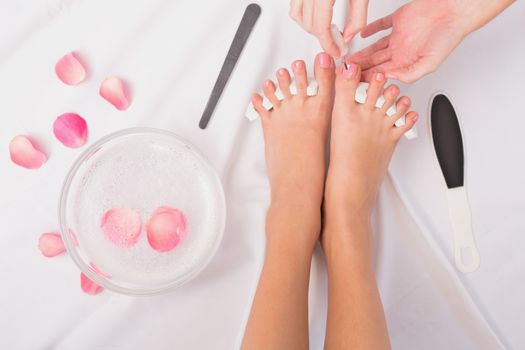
(470, 15)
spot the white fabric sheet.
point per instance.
(170, 53)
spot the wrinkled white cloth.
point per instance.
(170, 53)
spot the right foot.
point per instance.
(362, 142)
(295, 134)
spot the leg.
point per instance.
(362, 142)
(295, 134)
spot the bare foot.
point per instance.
(295, 134)
(362, 142)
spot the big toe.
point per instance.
(347, 79)
(324, 74)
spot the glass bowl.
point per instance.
(142, 169)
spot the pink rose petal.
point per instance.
(122, 226)
(24, 153)
(166, 229)
(71, 130)
(70, 70)
(114, 91)
(50, 244)
(88, 286)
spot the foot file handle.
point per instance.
(466, 255)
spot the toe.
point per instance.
(324, 74)
(257, 102)
(269, 92)
(410, 121)
(391, 93)
(402, 106)
(347, 79)
(283, 77)
(374, 90)
(301, 80)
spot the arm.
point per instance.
(279, 315)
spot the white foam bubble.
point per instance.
(144, 174)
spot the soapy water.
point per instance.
(144, 172)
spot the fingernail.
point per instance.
(324, 60)
(349, 70)
(380, 76)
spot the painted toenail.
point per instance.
(324, 60)
(349, 70)
(380, 76)
(395, 90)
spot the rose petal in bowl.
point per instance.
(115, 92)
(70, 69)
(88, 286)
(71, 130)
(166, 229)
(122, 226)
(24, 153)
(51, 244)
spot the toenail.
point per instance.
(281, 72)
(380, 76)
(395, 90)
(268, 84)
(349, 70)
(324, 60)
(406, 101)
(298, 65)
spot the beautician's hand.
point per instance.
(424, 33)
(315, 16)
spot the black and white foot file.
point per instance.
(251, 14)
(448, 144)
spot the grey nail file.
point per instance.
(251, 14)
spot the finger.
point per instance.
(296, 11)
(413, 72)
(257, 102)
(308, 15)
(322, 22)
(269, 92)
(328, 44)
(357, 16)
(381, 44)
(283, 77)
(375, 59)
(383, 67)
(377, 26)
(410, 121)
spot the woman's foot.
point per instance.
(295, 134)
(362, 142)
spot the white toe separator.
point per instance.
(360, 96)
